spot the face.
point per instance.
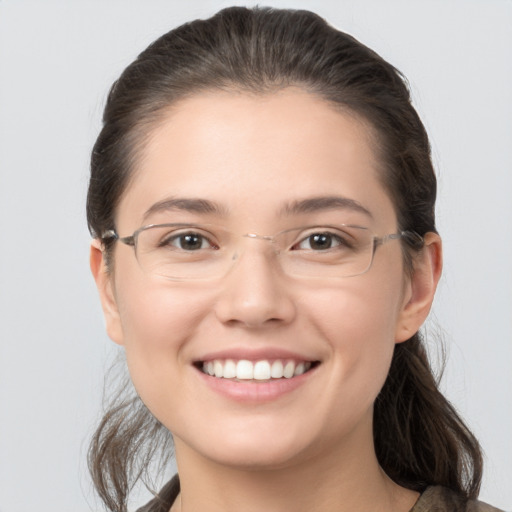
(251, 157)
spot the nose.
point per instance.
(255, 293)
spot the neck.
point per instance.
(343, 480)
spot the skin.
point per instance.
(312, 448)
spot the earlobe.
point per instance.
(104, 283)
(427, 267)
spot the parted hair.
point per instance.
(419, 438)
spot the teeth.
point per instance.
(262, 370)
(299, 369)
(217, 369)
(289, 370)
(258, 370)
(276, 372)
(244, 370)
(229, 369)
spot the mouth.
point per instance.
(263, 370)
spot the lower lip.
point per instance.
(254, 391)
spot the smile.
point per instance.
(262, 370)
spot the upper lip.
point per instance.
(253, 354)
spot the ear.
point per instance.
(104, 283)
(420, 290)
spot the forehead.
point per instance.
(253, 153)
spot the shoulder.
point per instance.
(441, 499)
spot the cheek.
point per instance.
(152, 318)
(365, 307)
(358, 320)
(157, 321)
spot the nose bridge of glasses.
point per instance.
(265, 238)
(238, 250)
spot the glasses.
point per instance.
(204, 251)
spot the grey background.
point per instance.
(57, 60)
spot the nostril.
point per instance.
(258, 324)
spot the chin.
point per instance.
(251, 449)
(258, 459)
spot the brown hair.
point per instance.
(419, 438)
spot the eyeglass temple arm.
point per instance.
(414, 238)
(111, 234)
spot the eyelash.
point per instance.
(175, 237)
(340, 241)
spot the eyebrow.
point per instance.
(201, 206)
(316, 204)
(309, 205)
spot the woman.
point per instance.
(262, 206)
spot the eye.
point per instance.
(320, 242)
(189, 241)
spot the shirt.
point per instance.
(432, 499)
